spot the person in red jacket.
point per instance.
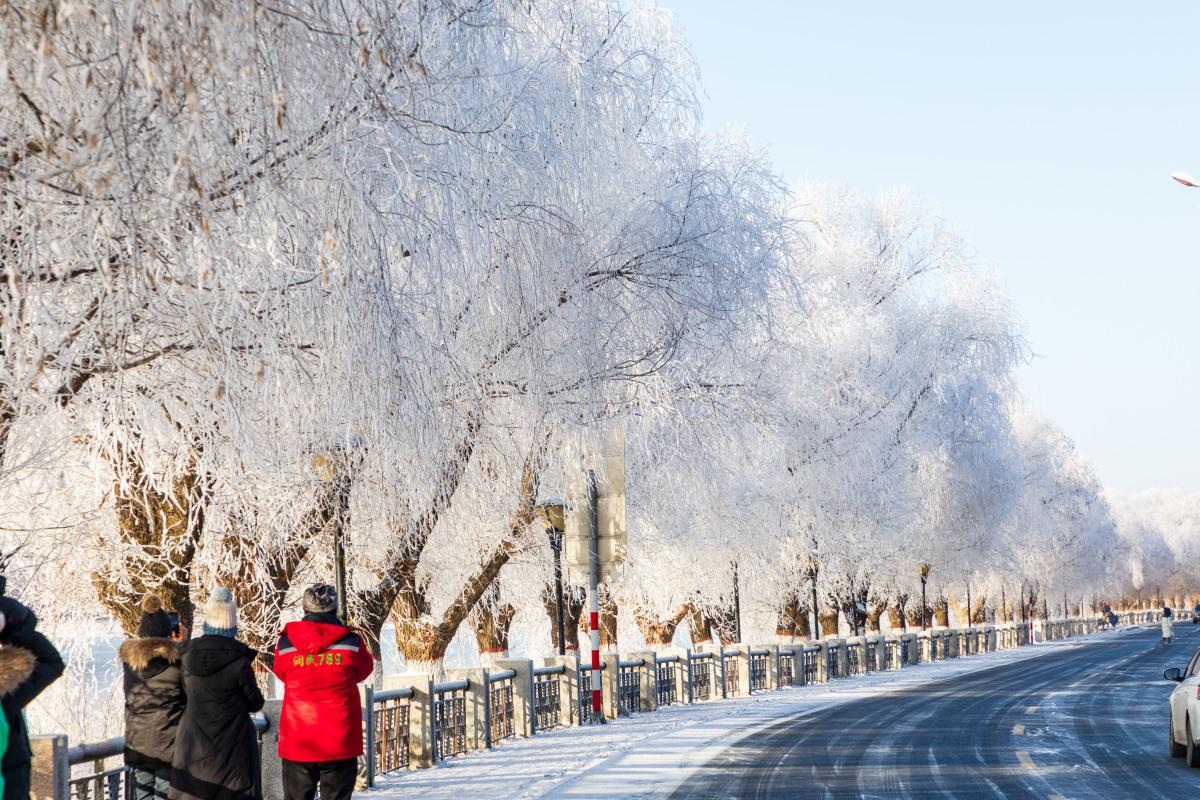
(320, 662)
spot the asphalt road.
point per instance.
(1088, 722)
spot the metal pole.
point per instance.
(816, 616)
(339, 553)
(737, 604)
(924, 607)
(594, 599)
(968, 604)
(556, 544)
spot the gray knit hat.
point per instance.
(320, 598)
(220, 615)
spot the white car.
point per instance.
(1185, 711)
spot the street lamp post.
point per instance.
(969, 604)
(737, 604)
(923, 570)
(814, 566)
(553, 513)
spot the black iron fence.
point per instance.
(666, 679)
(833, 661)
(729, 673)
(811, 653)
(758, 669)
(500, 705)
(700, 670)
(387, 730)
(450, 719)
(547, 697)
(785, 669)
(629, 686)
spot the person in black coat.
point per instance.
(154, 700)
(216, 753)
(45, 667)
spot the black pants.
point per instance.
(17, 781)
(337, 778)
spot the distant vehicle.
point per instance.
(1185, 711)
(1196, 614)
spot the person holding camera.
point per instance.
(28, 664)
(216, 749)
(154, 698)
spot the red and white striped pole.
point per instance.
(594, 597)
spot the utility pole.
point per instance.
(594, 598)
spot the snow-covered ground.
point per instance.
(651, 754)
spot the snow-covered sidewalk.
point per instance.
(650, 754)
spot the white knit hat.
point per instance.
(220, 615)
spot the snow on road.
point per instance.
(651, 754)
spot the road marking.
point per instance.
(1018, 730)
(1056, 797)
(1031, 710)
(1025, 760)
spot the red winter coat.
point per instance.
(321, 664)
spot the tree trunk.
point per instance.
(829, 622)
(157, 535)
(608, 619)
(660, 632)
(492, 625)
(874, 614)
(941, 612)
(701, 630)
(574, 599)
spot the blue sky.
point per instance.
(1045, 133)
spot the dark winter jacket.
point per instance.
(154, 701)
(321, 662)
(216, 754)
(19, 634)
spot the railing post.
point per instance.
(522, 683)
(51, 769)
(687, 666)
(610, 678)
(772, 664)
(368, 704)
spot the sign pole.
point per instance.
(594, 597)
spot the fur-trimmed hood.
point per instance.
(16, 665)
(138, 653)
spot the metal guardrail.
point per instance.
(584, 678)
(811, 654)
(450, 719)
(547, 697)
(114, 784)
(665, 680)
(891, 657)
(629, 686)
(387, 730)
(500, 705)
(852, 660)
(700, 673)
(872, 652)
(758, 670)
(833, 662)
(730, 683)
(785, 669)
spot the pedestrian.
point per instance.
(28, 664)
(154, 699)
(320, 661)
(1166, 625)
(216, 749)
